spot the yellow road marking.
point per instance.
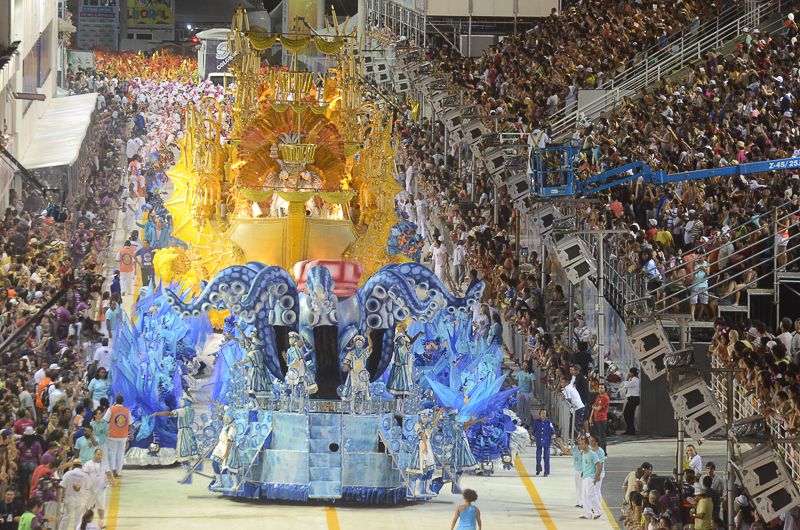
(537, 500)
(330, 517)
(610, 516)
(113, 506)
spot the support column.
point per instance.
(362, 20)
(601, 308)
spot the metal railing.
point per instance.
(745, 404)
(686, 48)
(756, 253)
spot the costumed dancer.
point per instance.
(423, 461)
(401, 377)
(226, 455)
(355, 366)
(461, 457)
(545, 433)
(259, 375)
(298, 377)
(187, 443)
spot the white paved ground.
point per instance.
(149, 495)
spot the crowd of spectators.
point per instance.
(694, 246)
(55, 283)
(532, 74)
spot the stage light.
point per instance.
(680, 359)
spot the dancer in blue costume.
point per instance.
(259, 374)
(225, 456)
(401, 377)
(461, 457)
(187, 443)
(423, 461)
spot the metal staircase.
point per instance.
(755, 266)
(682, 50)
(325, 456)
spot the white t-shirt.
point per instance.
(572, 395)
(97, 478)
(439, 255)
(103, 357)
(696, 463)
(632, 387)
(130, 206)
(74, 478)
(459, 255)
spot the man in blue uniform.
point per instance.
(545, 433)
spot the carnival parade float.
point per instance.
(346, 371)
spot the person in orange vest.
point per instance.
(118, 417)
(41, 388)
(125, 257)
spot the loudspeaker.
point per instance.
(579, 270)
(704, 422)
(473, 132)
(779, 499)
(648, 339)
(575, 258)
(761, 468)
(690, 396)
(452, 120)
(519, 186)
(571, 248)
(654, 365)
(494, 160)
(544, 218)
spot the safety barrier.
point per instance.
(684, 49)
(745, 404)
